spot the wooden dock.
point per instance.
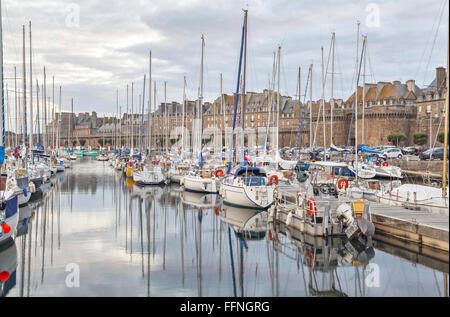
(421, 227)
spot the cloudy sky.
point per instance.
(94, 47)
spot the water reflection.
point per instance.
(161, 241)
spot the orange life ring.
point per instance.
(270, 235)
(130, 164)
(218, 172)
(311, 206)
(273, 177)
(385, 163)
(342, 182)
(216, 211)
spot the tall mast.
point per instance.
(44, 97)
(31, 93)
(323, 111)
(149, 137)
(2, 117)
(278, 102)
(183, 135)
(127, 144)
(70, 125)
(310, 106)
(142, 119)
(53, 106)
(25, 136)
(154, 103)
(332, 89)
(16, 105)
(444, 172)
(38, 117)
(166, 119)
(356, 103)
(244, 77)
(364, 90)
(115, 121)
(222, 140)
(59, 119)
(200, 96)
(132, 119)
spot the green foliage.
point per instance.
(396, 138)
(100, 141)
(82, 142)
(420, 138)
(440, 137)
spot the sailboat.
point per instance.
(202, 178)
(248, 187)
(8, 199)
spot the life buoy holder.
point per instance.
(216, 211)
(218, 173)
(271, 180)
(311, 206)
(342, 182)
(385, 164)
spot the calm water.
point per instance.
(130, 241)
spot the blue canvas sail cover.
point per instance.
(2, 154)
(368, 149)
(200, 160)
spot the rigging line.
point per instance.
(428, 39)
(372, 73)
(432, 47)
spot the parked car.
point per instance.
(435, 153)
(392, 153)
(410, 150)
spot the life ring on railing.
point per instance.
(271, 180)
(342, 182)
(130, 164)
(216, 211)
(311, 206)
(270, 235)
(218, 173)
(385, 164)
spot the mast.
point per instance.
(31, 93)
(323, 111)
(166, 129)
(236, 99)
(142, 119)
(310, 106)
(364, 89)
(128, 121)
(132, 119)
(183, 135)
(16, 105)
(154, 103)
(332, 89)
(356, 103)
(70, 125)
(149, 137)
(222, 140)
(200, 96)
(58, 143)
(2, 117)
(53, 106)
(278, 104)
(115, 121)
(44, 96)
(25, 136)
(244, 77)
(38, 117)
(444, 171)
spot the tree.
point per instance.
(74, 143)
(420, 138)
(396, 138)
(108, 141)
(100, 141)
(440, 137)
(82, 142)
(173, 141)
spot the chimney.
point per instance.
(397, 82)
(440, 77)
(411, 84)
